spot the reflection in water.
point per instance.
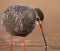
(46, 48)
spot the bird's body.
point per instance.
(19, 20)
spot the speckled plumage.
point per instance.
(19, 20)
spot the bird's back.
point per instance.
(19, 20)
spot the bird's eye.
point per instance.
(38, 19)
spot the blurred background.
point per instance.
(51, 26)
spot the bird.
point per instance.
(19, 20)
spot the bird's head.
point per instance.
(39, 15)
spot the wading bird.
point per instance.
(19, 20)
